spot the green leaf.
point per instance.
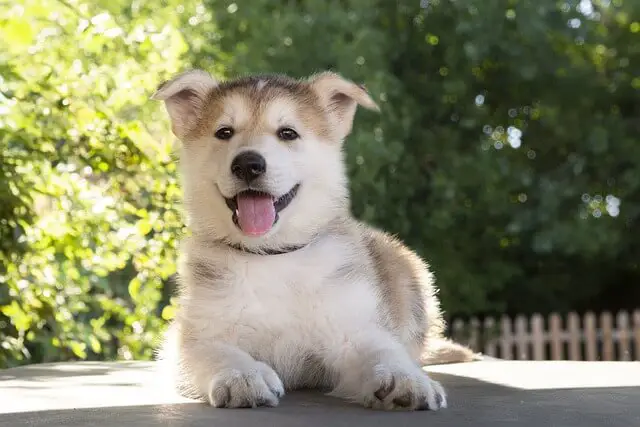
(17, 32)
(79, 349)
(168, 312)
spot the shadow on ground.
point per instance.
(472, 403)
(48, 371)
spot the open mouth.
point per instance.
(256, 212)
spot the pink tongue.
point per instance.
(256, 213)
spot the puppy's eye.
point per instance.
(287, 134)
(224, 133)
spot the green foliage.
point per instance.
(507, 140)
(89, 192)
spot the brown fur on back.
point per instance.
(407, 289)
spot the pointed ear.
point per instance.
(184, 97)
(340, 98)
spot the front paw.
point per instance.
(259, 385)
(396, 388)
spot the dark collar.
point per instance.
(285, 250)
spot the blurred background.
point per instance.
(507, 153)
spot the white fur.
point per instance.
(278, 308)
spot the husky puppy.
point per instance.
(280, 287)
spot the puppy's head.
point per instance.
(262, 155)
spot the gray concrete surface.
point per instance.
(482, 394)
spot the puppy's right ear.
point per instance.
(184, 97)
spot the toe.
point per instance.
(272, 379)
(385, 389)
(219, 396)
(424, 406)
(438, 397)
(403, 401)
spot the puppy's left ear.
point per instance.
(340, 98)
(185, 96)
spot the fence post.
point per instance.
(522, 338)
(506, 341)
(554, 336)
(457, 331)
(574, 337)
(537, 337)
(636, 333)
(490, 342)
(624, 350)
(591, 337)
(474, 334)
(606, 325)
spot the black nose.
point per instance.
(248, 166)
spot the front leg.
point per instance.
(228, 377)
(376, 371)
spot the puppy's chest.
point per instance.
(284, 291)
(274, 289)
(275, 296)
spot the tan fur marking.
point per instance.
(400, 287)
(409, 295)
(204, 273)
(258, 93)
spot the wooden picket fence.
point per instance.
(590, 337)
